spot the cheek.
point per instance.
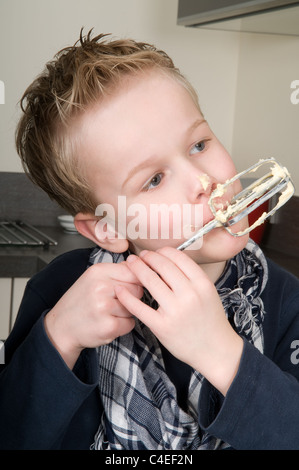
(157, 225)
(224, 168)
(154, 222)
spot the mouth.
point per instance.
(213, 197)
(215, 200)
(222, 197)
(206, 216)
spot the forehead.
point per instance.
(140, 99)
(133, 123)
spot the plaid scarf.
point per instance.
(139, 400)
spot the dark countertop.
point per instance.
(21, 200)
(22, 261)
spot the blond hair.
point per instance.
(77, 77)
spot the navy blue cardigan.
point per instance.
(45, 405)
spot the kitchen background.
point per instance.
(243, 81)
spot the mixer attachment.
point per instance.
(273, 185)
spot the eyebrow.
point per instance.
(150, 161)
(136, 169)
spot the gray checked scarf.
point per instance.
(139, 400)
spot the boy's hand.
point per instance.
(89, 314)
(190, 321)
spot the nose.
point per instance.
(198, 184)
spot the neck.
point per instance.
(213, 270)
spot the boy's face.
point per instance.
(150, 144)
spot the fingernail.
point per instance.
(143, 253)
(131, 258)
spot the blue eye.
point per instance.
(197, 148)
(155, 181)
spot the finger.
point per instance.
(106, 289)
(125, 326)
(114, 271)
(117, 309)
(167, 270)
(128, 275)
(140, 310)
(136, 290)
(190, 269)
(151, 280)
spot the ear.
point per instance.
(100, 232)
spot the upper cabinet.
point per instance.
(259, 16)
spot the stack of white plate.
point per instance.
(67, 223)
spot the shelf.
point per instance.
(281, 21)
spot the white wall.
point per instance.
(266, 121)
(243, 80)
(32, 31)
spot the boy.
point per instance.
(203, 360)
